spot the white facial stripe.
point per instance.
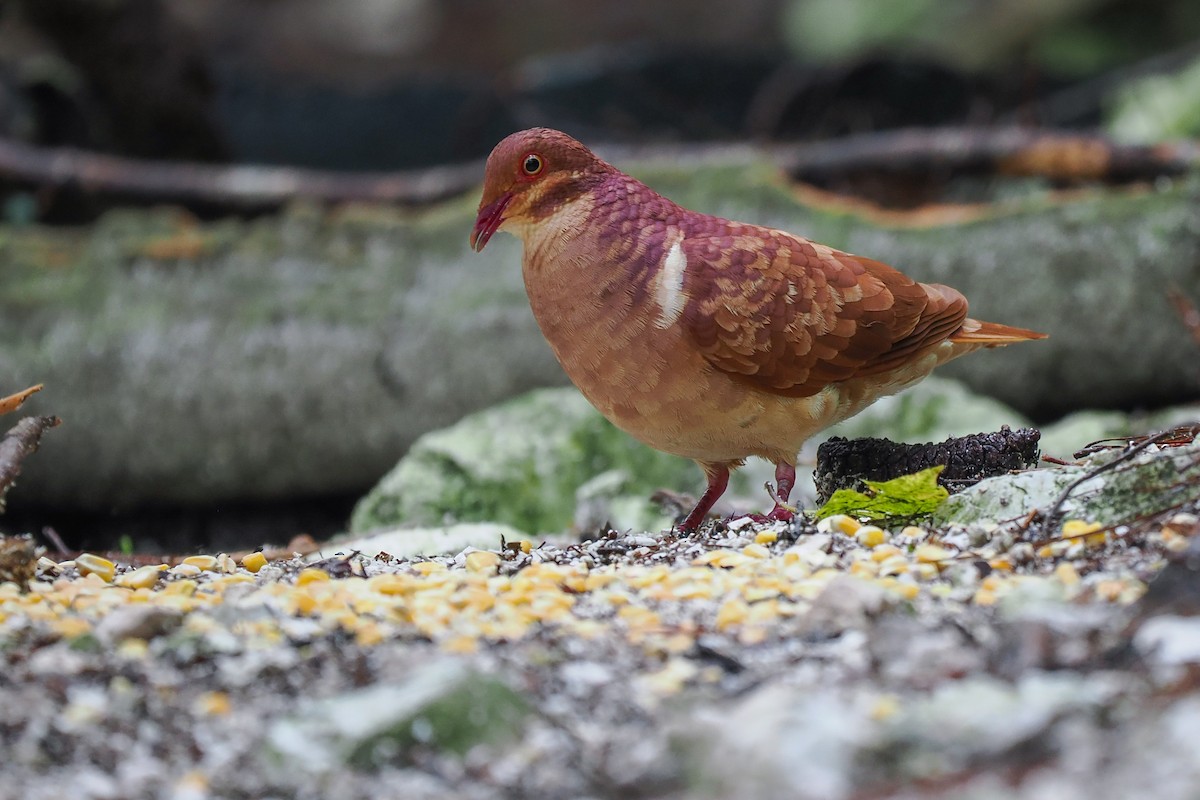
(670, 286)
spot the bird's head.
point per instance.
(529, 176)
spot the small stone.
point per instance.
(138, 621)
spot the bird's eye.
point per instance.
(532, 164)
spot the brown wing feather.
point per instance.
(790, 317)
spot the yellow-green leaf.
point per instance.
(900, 498)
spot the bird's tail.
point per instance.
(992, 334)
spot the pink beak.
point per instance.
(489, 220)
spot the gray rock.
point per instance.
(846, 602)
(445, 705)
(778, 741)
(519, 463)
(1148, 483)
(140, 621)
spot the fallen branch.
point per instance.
(238, 186)
(18, 444)
(1012, 150)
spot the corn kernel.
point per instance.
(913, 532)
(1067, 574)
(896, 565)
(202, 563)
(756, 551)
(254, 561)
(909, 591)
(885, 707)
(311, 575)
(213, 704)
(765, 537)
(141, 578)
(985, 597)
(885, 551)
(482, 561)
(864, 569)
(843, 523)
(303, 603)
(429, 567)
(1001, 564)
(1045, 551)
(185, 588)
(88, 564)
(1077, 527)
(925, 571)
(526, 546)
(871, 536)
(932, 554)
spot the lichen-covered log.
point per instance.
(302, 352)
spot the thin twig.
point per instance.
(20, 441)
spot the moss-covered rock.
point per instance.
(519, 463)
(1147, 484)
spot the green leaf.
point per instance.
(905, 497)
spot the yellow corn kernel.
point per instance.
(865, 569)
(254, 561)
(1077, 527)
(925, 571)
(1067, 574)
(1045, 551)
(88, 564)
(985, 597)
(526, 546)
(214, 704)
(843, 523)
(141, 578)
(908, 591)
(482, 561)
(303, 603)
(896, 565)
(885, 551)
(1001, 564)
(202, 563)
(914, 532)
(765, 537)
(185, 588)
(429, 567)
(311, 575)
(871, 536)
(756, 551)
(932, 554)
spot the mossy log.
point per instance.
(302, 352)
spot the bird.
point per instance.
(706, 338)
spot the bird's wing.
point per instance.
(790, 316)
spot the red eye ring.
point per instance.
(532, 164)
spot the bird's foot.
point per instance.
(780, 513)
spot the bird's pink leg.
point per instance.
(718, 479)
(785, 480)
